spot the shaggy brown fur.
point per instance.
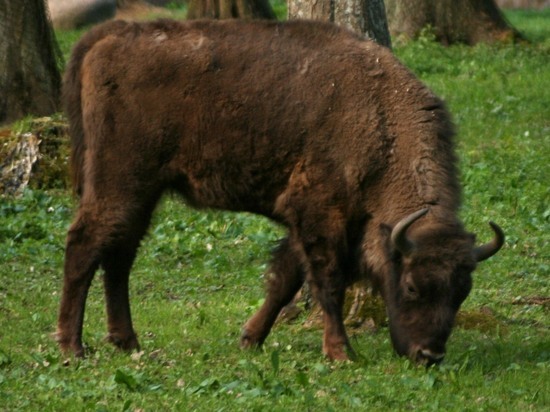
(301, 122)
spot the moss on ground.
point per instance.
(34, 153)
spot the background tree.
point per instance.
(133, 4)
(126, 3)
(365, 17)
(523, 4)
(30, 82)
(452, 21)
(228, 9)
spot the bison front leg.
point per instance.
(285, 277)
(328, 287)
(326, 247)
(336, 344)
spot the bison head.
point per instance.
(430, 276)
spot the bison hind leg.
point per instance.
(82, 258)
(285, 278)
(117, 263)
(107, 235)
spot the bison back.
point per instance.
(226, 111)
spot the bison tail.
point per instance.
(72, 97)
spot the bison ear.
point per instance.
(385, 230)
(385, 235)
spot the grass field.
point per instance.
(198, 278)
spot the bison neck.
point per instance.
(420, 173)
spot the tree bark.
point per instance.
(450, 21)
(30, 82)
(365, 17)
(121, 4)
(523, 4)
(230, 9)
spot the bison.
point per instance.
(308, 124)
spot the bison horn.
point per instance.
(489, 249)
(399, 238)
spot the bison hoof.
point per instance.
(340, 353)
(69, 347)
(126, 343)
(248, 341)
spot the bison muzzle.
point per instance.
(302, 122)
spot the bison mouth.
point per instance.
(425, 356)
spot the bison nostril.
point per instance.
(427, 357)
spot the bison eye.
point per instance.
(411, 291)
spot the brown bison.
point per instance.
(302, 122)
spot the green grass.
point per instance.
(534, 24)
(198, 278)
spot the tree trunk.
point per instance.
(230, 9)
(132, 10)
(523, 4)
(451, 21)
(365, 17)
(30, 82)
(121, 4)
